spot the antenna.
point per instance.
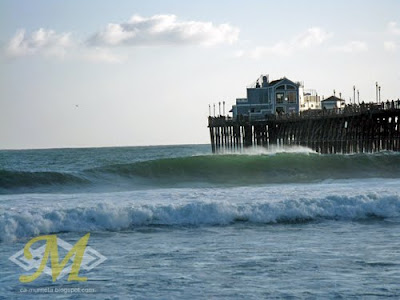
(379, 94)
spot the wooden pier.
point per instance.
(354, 129)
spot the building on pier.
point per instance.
(309, 99)
(333, 102)
(269, 98)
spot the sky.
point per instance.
(126, 73)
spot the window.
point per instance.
(290, 87)
(279, 97)
(291, 97)
(281, 87)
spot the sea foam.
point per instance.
(109, 216)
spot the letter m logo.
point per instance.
(46, 258)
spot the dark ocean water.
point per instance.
(179, 222)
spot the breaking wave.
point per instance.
(226, 169)
(114, 217)
(259, 169)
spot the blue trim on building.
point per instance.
(269, 98)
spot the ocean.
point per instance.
(177, 222)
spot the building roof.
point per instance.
(332, 98)
(276, 81)
(284, 79)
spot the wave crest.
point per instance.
(27, 223)
(260, 169)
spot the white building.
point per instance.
(310, 100)
(332, 102)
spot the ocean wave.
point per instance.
(245, 169)
(253, 167)
(18, 179)
(271, 150)
(113, 217)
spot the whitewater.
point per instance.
(179, 222)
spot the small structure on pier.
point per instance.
(309, 100)
(333, 102)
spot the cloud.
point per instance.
(312, 37)
(352, 47)
(390, 46)
(101, 55)
(393, 28)
(155, 30)
(164, 30)
(48, 43)
(42, 41)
